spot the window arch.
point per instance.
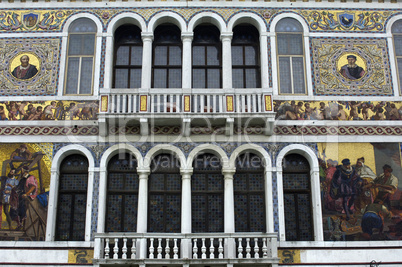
(249, 194)
(290, 55)
(207, 57)
(397, 37)
(297, 198)
(72, 199)
(128, 57)
(122, 194)
(207, 193)
(164, 195)
(246, 57)
(167, 57)
(80, 57)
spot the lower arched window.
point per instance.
(122, 194)
(297, 198)
(207, 195)
(249, 196)
(72, 199)
(164, 203)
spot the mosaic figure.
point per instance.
(25, 70)
(351, 70)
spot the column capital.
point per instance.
(143, 172)
(228, 172)
(226, 36)
(186, 171)
(147, 36)
(187, 36)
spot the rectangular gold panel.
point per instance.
(80, 256)
(143, 103)
(187, 103)
(268, 103)
(229, 103)
(104, 103)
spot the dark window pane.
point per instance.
(237, 55)
(250, 55)
(212, 56)
(213, 78)
(174, 78)
(285, 75)
(288, 25)
(86, 75)
(160, 55)
(74, 44)
(398, 45)
(72, 75)
(160, 77)
(198, 55)
(298, 75)
(290, 44)
(399, 61)
(122, 55)
(121, 78)
(135, 78)
(175, 55)
(251, 78)
(199, 78)
(88, 44)
(238, 79)
(136, 55)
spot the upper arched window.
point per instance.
(207, 58)
(245, 57)
(397, 36)
(290, 52)
(167, 57)
(128, 57)
(80, 57)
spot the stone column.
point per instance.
(187, 38)
(142, 213)
(229, 218)
(147, 38)
(186, 248)
(226, 38)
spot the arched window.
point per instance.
(128, 57)
(164, 195)
(297, 198)
(397, 36)
(249, 194)
(290, 51)
(72, 199)
(122, 194)
(207, 193)
(80, 57)
(246, 57)
(167, 58)
(207, 57)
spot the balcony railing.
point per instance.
(130, 101)
(120, 248)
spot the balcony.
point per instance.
(186, 108)
(186, 249)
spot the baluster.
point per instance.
(165, 102)
(172, 103)
(243, 104)
(248, 248)
(116, 249)
(220, 249)
(214, 103)
(240, 249)
(130, 103)
(175, 249)
(118, 104)
(124, 249)
(211, 249)
(203, 249)
(167, 249)
(195, 249)
(135, 104)
(256, 248)
(264, 248)
(159, 256)
(208, 103)
(124, 109)
(195, 106)
(134, 249)
(112, 102)
(237, 103)
(202, 103)
(151, 248)
(221, 109)
(107, 249)
(259, 104)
